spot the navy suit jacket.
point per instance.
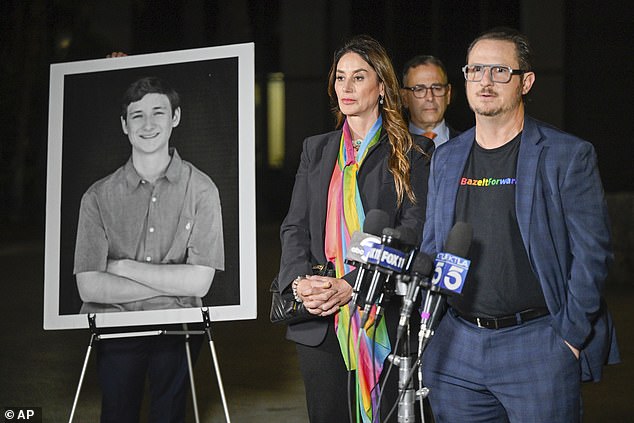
(563, 220)
(302, 231)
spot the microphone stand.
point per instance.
(406, 394)
(408, 363)
(431, 308)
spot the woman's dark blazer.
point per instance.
(302, 231)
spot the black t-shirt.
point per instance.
(500, 280)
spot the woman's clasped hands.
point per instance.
(323, 295)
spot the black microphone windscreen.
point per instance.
(407, 236)
(423, 264)
(375, 221)
(459, 239)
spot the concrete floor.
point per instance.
(262, 383)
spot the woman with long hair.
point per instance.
(370, 162)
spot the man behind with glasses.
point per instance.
(426, 96)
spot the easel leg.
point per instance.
(191, 374)
(93, 337)
(207, 322)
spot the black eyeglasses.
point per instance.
(497, 73)
(420, 91)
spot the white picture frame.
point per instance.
(216, 134)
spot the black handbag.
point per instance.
(284, 308)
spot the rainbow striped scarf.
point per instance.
(345, 216)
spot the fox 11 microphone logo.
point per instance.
(22, 414)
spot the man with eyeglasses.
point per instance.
(426, 95)
(531, 323)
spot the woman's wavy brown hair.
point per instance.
(391, 111)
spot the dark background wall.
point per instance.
(584, 65)
(583, 61)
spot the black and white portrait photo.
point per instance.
(150, 189)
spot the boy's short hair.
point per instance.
(148, 85)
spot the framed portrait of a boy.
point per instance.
(150, 214)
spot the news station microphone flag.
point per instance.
(450, 273)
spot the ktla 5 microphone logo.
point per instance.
(450, 272)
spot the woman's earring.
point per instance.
(380, 99)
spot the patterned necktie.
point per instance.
(430, 134)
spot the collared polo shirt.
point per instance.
(175, 220)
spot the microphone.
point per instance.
(362, 243)
(451, 268)
(410, 239)
(421, 270)
(450, 273)
(407, 240)
(385, 260)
